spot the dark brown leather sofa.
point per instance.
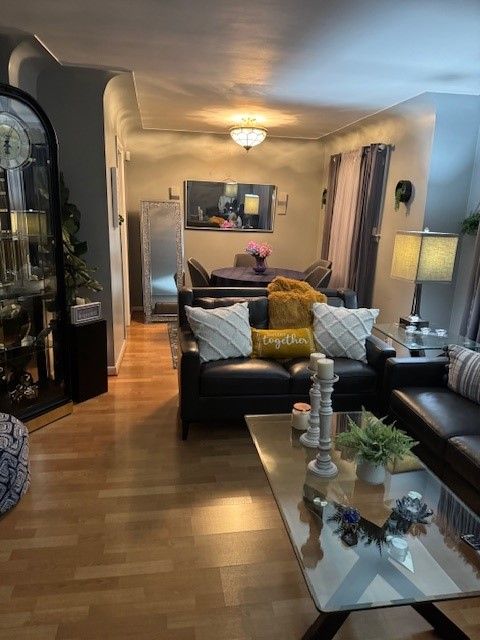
(446, 425)
(226, 390)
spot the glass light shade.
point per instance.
(251, 204)
(231, 189)
(424, 256)
(248, 136)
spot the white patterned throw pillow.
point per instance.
(222, 333)
(340, 332)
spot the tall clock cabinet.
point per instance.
(34, 380)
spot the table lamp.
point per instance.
(423, 256)
(251, 204)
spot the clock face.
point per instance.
(14, 142)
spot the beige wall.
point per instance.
(160, 160)
(409, 127)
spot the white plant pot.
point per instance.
(370, 473)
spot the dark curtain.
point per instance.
(363, 258)
(331, 190)
(470, 326)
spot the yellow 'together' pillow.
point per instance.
(282, 343)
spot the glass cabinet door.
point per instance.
(32, 303)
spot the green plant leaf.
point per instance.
(78, 274)
(374, 440)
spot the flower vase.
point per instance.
(260, 265)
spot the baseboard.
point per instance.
(114, 370)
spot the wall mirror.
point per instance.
(162, 258)
(229, 206)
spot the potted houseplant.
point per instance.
(260, 251)
(78, 275)
(374, 444)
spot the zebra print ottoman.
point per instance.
(14, 470)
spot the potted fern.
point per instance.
(374, 444)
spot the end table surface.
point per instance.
(438, 566)
(419, 341)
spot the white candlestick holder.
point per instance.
(311, 437)
(323, 465)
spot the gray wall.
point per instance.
(466, 251)
(457, 124)
(73, 98)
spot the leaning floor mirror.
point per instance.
(162, 258)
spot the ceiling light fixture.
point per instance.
(248, 134)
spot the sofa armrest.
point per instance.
(414, 372)
(189, 364)
(378, 352)
(188, 343)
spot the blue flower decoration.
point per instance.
(351, 515)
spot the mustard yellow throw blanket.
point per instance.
(290, 303)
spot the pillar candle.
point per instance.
(314, 358)
(325, 369)
(300, 416)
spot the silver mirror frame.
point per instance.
(146, 207)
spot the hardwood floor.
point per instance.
(127, 532)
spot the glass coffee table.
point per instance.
(436, 565)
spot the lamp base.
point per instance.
(415, 320)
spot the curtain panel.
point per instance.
(344, 214)
(331, 191)
(470, 326)
(363, 256)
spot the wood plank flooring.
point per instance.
(129, 533)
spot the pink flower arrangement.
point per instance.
(228, 224)
(258, 249)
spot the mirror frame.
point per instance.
(261, 184)
(146, 207)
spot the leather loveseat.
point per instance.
(446, 425)
(229, 389)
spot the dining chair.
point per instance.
(198, 274)
(243, 260)
(318, 263)
(319, 277)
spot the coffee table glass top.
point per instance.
(438, 565)
(424, 341)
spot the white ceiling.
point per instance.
(302, 67)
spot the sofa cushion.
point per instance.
(463, 455)
(464, 372)
(434, 414)
(221, 333)
(279, 344)
(243, 377)
(355, 376)
(257, 307)
(341, 333)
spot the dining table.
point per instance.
(246, 276)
